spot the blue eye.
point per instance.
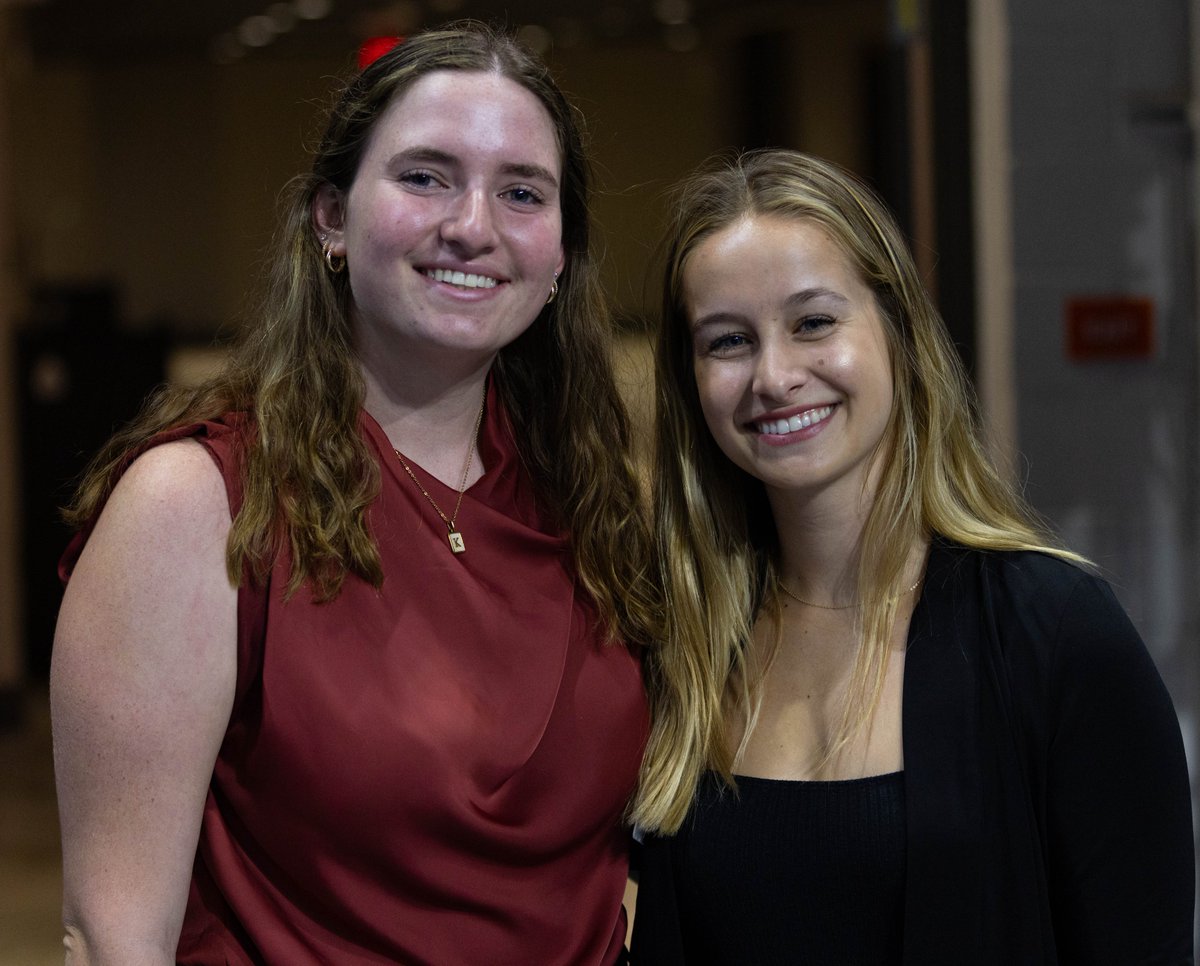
(728, 342)
(524, 196)
(418, 179)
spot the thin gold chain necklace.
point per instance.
(800, 600)
(457, 544)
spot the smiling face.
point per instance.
(790, 355)
(452, 228)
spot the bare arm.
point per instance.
(141, 686)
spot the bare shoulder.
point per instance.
(176, 483)
(153, 570)
(142, 681)
(170, 505)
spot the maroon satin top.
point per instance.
(429, 773)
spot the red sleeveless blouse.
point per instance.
(433, 772)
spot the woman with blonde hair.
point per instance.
(347, 666)
(893, 720)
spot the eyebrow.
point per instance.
(423, 154)
(804, 296)
(795, 300)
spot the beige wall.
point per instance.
(652, 115)
(833, 43)
(163, 176)
(56, 141)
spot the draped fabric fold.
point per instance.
(430, 772)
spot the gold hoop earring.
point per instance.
(553, 290)
(334, 262)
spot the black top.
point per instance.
(1046, 795)
(786, 872)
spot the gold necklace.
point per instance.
(780, 584)
(457, 544)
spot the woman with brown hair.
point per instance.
(894, 721)
(347, 667)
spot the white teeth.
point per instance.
(461, 279)
(780, 427)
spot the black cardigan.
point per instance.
(1046, 790)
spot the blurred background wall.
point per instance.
(144, 176)
(1041, 157)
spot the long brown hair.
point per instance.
(309, 478)
(715, 533)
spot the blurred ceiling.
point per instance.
(87, 31)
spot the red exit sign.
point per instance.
(1111, 327)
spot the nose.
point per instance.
(779, 369)
(469, 224)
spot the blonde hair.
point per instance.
(308, 476)
(715, 534)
